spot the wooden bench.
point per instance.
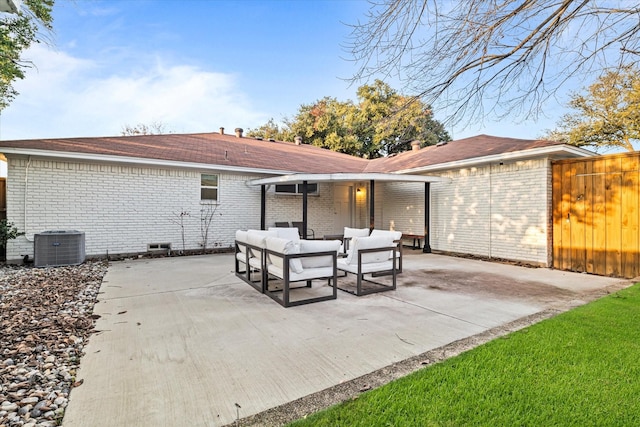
(414, 237)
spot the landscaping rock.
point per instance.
(45, 321)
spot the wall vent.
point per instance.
(58, 248)
(155, 247)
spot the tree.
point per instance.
(381, 123)
(154, 128)
(388, 122)
(503, 57)
(19, 30)
(608, 115)
(269, 130)
(327, 123)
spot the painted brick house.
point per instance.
(128, 194)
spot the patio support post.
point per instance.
(263, 207)
(372, 205)
(305, 188)
(426, 248)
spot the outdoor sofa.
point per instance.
(289, 263)
(261, 256)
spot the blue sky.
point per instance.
(194, 66)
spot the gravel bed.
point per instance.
(45, 320)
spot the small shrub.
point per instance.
(8, 231)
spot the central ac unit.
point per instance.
(58, 248)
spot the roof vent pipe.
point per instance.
(239, 132)
(297, 140)
(221, 131)
(415, 145)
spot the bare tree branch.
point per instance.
(503, 57)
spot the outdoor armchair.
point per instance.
(373, 256)
(397, 239)
(350, 233)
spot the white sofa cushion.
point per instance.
(310, 246)
(307, 274)
(348, 234)
(396, 235)
(257, 238)
(372, 242)
(284, 247)
(290, 233)
(356, 232)
(366, 268)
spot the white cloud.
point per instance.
(68, 97)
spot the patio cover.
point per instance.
(304, 178)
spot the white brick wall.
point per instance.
(498, 211)
(403, 207)
(288, 207)
(121, 209)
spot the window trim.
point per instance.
(210, 187)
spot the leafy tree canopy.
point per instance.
(381, 123)
(17, 32)
(606, 115)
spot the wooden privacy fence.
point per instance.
(596, 216)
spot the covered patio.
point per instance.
(305, 180)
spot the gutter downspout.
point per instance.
(26, 190)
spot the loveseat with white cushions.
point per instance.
(373, 256)
(249, 259)
(300, 261)
(250, 247)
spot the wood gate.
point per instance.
(596, 216)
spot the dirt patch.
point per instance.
(486, 284)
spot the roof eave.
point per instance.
(558, 151)
(298, 178)
(137, 161)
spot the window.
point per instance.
(209, 187)
(296, 188)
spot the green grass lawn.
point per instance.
(581, 368)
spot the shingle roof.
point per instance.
(230, 151)
(462, 149)
(208, 149)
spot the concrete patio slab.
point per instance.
(183, 342)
